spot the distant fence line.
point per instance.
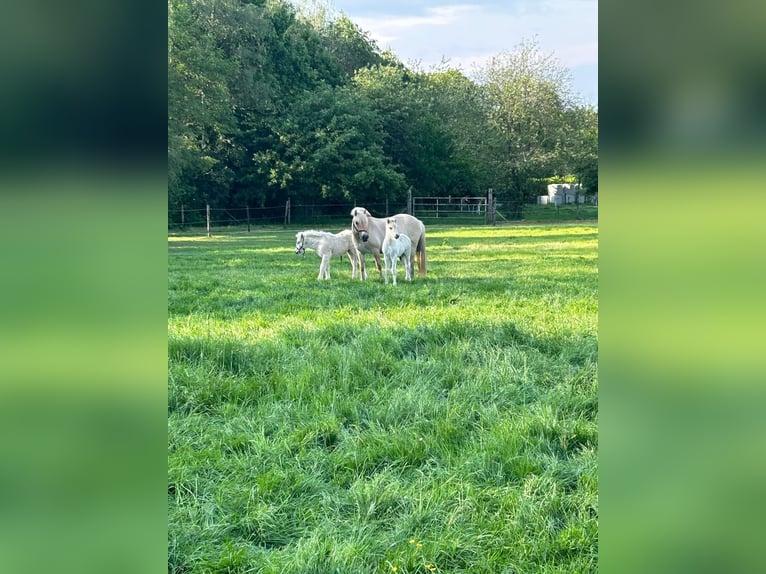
(310, 214)
(458, 210)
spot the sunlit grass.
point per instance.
(321, 426)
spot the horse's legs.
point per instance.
(376, 255)
(405, 259)
(393, 267)
(407, 262)
(362, 268)
(360, 261)
(354, 263)
(324, 267)
(385, 260)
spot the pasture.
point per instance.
(446, 425)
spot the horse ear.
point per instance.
(367, 213)
(353, 212)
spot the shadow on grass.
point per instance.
(510, 237)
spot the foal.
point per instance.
(395, 246)
(326, 246)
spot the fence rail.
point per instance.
(336, 216)
(446, 206)
(328, 214)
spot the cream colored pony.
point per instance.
(369, 232)
(326, 246)
(396, 245)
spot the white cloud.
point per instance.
(579, 54)
(387, 29)
(471, 33)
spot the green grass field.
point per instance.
(445, 425)
(561, 213)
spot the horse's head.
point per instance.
(359, 224)
(299, 247)
(392, 227)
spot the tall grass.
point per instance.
(443, 425)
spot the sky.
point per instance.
(468, 33)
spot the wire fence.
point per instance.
(212, 219)
(336, 216)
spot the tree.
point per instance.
(456, 102)
(526, 94)
(416, 138)
(268, 101)
(330, 147)
(200, 115)
(234, 69)
(582, 147)
(351, 47)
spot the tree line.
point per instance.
(268, 100)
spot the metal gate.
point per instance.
(469, 207)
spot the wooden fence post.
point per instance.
(248, 218)
(182, 216)
(207, 217)
(487, 212)
(410, 209)
(577, 201)
(287, 212)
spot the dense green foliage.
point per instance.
(444, 425)
(266, 103)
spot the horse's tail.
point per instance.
(421, 250)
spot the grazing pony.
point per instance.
(396, 245)
(326, 245)
(369, 231)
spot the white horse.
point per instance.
(395, 246)
(369, 232)
(326, 245)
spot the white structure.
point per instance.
(562, 193)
